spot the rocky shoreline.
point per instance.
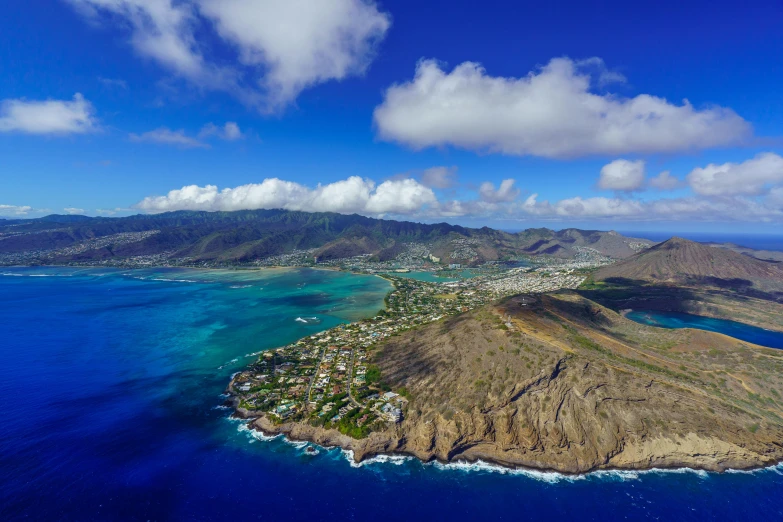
(691, 452)
(558, 383)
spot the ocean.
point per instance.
(110, 395)
(755, 241)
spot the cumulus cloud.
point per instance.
(281, 47)
(229, 132)
(551, 112)
(752, 177)
(15, 210)
(166, 136)
(622, 175)
(352, 195)
(439, 177)
(505, 193)
(578, 207)
(664, 181)
(738, 208)
(750, 191)
(73, 211)
(48, 117)
(299, 42)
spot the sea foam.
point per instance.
(480, 466)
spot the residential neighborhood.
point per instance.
(328, 379)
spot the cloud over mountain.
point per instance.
(352, 195)
(15, 210)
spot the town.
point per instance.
(328, 379)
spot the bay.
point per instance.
(741, 331)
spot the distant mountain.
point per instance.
(565, 243)
(248, 235)
(764, 255)
(63, 218)
(687, 262)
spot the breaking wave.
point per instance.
(308, 320)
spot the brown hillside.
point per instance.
(681, 261)
(559, 382)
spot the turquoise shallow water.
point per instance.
(431, 277)
(428, 277)
(110, 395)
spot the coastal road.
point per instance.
(350, 378)
(312, 379)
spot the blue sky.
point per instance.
(510, 114)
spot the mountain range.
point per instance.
(249, 235)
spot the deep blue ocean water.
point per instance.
(110, 409)
(741, 331)
(756, 241)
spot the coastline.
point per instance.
(386, 444)
(693, 451)
(389, 444)
(357, 452)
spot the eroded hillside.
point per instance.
(559, 382)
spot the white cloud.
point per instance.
(48, 116)
(299, 42)
(73, 211)
(282, 46)
(162, 30)
(664, 181)
(409, 197)
(578, 207)
(550, 112)
(15, 210)
(229, 132)
(439, 177)
(622, 175)
(737, 209)
(165, 136)
(505, 193)
(352, 195)
(752, 177)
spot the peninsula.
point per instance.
(536, 375)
